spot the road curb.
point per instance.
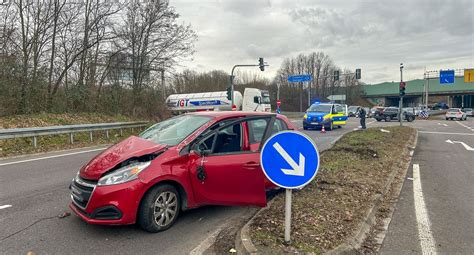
(354, 243)
(243, 241)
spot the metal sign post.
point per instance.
(290, 160)
(287, 215)
(400, 112)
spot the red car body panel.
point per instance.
(131, 147)
(232, 179)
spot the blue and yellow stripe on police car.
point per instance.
(339, 119)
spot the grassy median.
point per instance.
(328, 210)
(19, 146)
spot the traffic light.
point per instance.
(261, 64)
(402, 88)
(229, 93)
(358, 74)
(336, 75)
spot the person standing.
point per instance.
(362, 114)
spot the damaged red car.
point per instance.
(196, 159)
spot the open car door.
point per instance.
(224, 171)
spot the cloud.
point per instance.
(373, 35)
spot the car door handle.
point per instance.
(251, 165)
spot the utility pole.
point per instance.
(301, 97)
(400, 117)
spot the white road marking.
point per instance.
(204, 245)
(4, 206)
(49, 157)
(443, 133)
(467, 147)
(468, 127)
(445, 124)
(423, 222)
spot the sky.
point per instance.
(374, 35)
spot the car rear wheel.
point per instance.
(388, 119)
(409, 118)
(159, 208)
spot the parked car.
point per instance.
(456, 113)
(375, 109)
(391, 113)
(191, 160)
(352, 110)
(468, 112)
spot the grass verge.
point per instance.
(328, 210)
(19, 146)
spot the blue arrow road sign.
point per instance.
(446, 77)
(299, 78)
(290, 159)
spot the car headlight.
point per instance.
(326, 117)
(124, 174)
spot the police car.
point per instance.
(325, 114)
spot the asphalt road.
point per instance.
(36, 187)
(435, 211)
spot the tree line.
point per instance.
(88, 55)
(119, 57)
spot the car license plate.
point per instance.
(314, 123)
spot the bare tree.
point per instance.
(153, 39)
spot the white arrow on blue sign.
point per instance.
(290, 159)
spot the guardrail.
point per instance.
(68, 129)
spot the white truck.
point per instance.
(255, 100)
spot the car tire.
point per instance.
(339, 126)
(164, 198)
(409, 118)
(331, 126)
(305, 128)
(379, 120)
(387, 119)
(447, 118)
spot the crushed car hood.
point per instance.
(131, 147)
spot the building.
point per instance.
(458, 94)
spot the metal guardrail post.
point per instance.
(35, 144)
(90, 136)
(71, 138)
(121, 132)
(107, 134)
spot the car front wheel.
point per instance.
(388, 119)
(159, 208)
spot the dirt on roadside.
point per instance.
(328, 210)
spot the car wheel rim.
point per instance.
(165, 208)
